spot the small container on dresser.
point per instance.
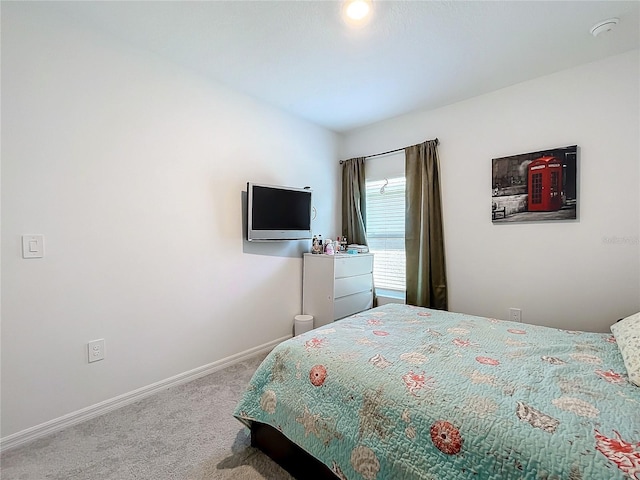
(336, 286)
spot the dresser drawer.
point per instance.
(350, 265)
(345, 306)
(350, 285)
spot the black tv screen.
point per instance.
(278, 213)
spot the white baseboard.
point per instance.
(84, 414)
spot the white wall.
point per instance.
(580, 275)
(133, 169)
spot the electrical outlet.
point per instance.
(96, 350)
(515, 315)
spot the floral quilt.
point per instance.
(401, 392)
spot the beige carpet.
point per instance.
(186, 432)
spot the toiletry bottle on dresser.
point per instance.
(329, 248)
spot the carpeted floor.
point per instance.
(186, 433)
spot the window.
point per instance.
(385, 232)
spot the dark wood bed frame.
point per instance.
(288, 455)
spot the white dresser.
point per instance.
(336, 286)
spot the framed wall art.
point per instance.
(536, 186)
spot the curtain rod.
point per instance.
(386, 153)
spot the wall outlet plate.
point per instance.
(515, 315)
(96, 350)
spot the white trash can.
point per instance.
(302, 324)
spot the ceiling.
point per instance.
(301, 57)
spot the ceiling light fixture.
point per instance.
(357, 10)
(604, 26)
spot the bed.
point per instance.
(402, 392)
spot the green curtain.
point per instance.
(354, 201)
(424, 240)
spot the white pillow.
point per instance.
(627, 333)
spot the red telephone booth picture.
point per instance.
(545, 185)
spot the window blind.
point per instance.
(385, 231)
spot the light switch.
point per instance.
(32, 246)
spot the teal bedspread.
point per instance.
(401, 392)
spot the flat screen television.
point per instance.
(278, 213)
